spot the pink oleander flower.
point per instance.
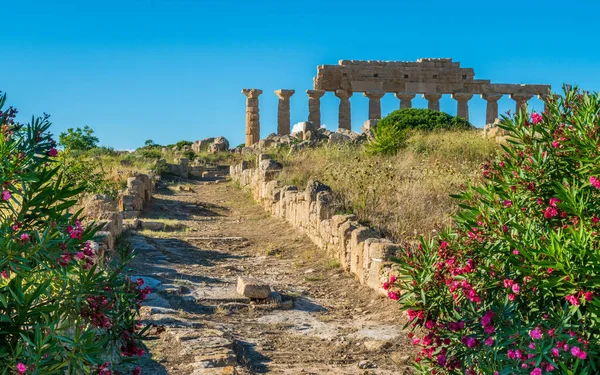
(550, 212)
(554, 201)
(555, 144)
(555, 352)
(501, 164)
(511, 297)
(507, 203)
(393, 295)
(573, 300)
(80, 255)
(549, 368)
(516, 288)
(595, 182)
(4, 275)
(508, 283)
(5, 195)
(489, 341)
(550, 270)
(516, 252)
(589, 296)
(24, 237)
(536, 371)
(576, 352)
(535, 334)
(386, 286)
(137, 371)
(21, 368)
(52, 152)
(392, 279)
(536, 118)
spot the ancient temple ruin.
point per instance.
(431, 78)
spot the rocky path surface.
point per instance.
(198, 239)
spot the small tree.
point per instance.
(149, 143)
(392, 131)
(78, 139)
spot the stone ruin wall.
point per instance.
(431, 78)
(109, 214)
(359, 249)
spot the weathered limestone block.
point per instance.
(345, 231)
(220, 144)
(358, 236)
(377, 266)
(325, 234)
(313, 188)
(252, 288)
(106, 240)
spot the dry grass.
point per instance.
(405, 195)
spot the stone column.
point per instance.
(374, 103)
(462, 105)
(314, 106)
(491, 113)
(521, 100)
(544, 98)
(283, 111)
(344, 119)
(405, 99)
(252, 117)
(433, 100)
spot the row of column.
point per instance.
(344, 116)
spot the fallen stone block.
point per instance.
(253, 288)
(153, 225)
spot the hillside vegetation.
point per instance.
(403, 195)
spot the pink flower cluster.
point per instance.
(95, 311)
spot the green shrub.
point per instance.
(150, 152)
(513, 288)
(391, 132)
(87, 172)
(63, 309)
(78, 139)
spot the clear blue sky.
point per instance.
(169, 70)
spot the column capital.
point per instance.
(432, 96)
(284, 94)
(405, 95)
(315, 94)
(491, 97)
(252, 93)
(374, 94)
(343, 94)
(519, 96)
(461, 96)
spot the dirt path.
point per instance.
(327, 322)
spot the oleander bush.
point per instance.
(64, 309)
(512, 288)
(392, 131)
